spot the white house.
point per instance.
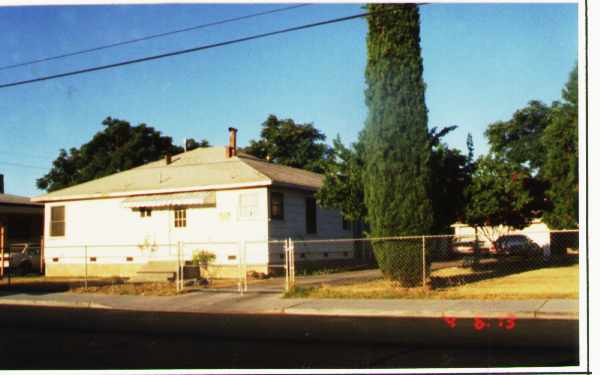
(214, 199)
(537, 231)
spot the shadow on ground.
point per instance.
(35, 285)
(494, 268)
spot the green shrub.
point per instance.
(401, 261)
(203, 258)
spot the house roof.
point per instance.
(16, 200)
(196, 170)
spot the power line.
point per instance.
(31, 156)
(148, 37)
(194, 49)
(23, 165)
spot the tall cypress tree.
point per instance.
(397, 166)
(397, 173)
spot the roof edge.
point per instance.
(42, 198)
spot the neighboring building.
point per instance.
(21, 221)
(212, 199)
(536, 231)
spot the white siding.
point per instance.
(329, 222)
(112, 232)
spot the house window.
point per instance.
(345, 224)
(57, 221)
(311, 215)
(276, 205)
(248, 205)
(180, 218)
(145, 212)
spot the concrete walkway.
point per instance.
(269, 303)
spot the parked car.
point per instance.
(468, 247)
(515, 244)
(22, 259)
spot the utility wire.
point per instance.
(148, 37)
(23, 165)
(30, 156)
(195, 49)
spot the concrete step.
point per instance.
(153, 277)
(156, 271)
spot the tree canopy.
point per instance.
(118, 147)
(192, 144)
(519, 140)
(282, 141)
(343, 187)
(498, 194)
(561, 162)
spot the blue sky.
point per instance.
(481, 63)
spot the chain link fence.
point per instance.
(430, 261)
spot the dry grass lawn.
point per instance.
(141, 289)
(551, 282)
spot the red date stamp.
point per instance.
(479, 324)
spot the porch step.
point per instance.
(156, 271)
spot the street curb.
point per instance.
(299, 309)
(426, 314)
(24, 302)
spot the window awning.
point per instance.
(204, 198)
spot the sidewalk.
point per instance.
(269, 303)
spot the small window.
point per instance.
(57, 221)
(276, 205)
(145, 212)
(311, 215)
(180, 218)
(345, 224)
(248, 205)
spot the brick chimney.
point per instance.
(1, 184)
(168, 159)
(231, 149)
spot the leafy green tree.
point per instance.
(282, 141)
(192, 144)
(519, 140)
(343, 188)
(397, 173)
(498, 195)
(118, 147)
(561, 163)
(450, 177)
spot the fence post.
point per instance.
(85, 266)
(293, 263)
(42, 261)
(292, 259)
(178, 276)
(240, 270)
(286, 265)
(2, 250)
(244, 266)
(424, 264)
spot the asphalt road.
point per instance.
(65, 338)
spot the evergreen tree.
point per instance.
(397, 153)
(561, 165)
(397, 174)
